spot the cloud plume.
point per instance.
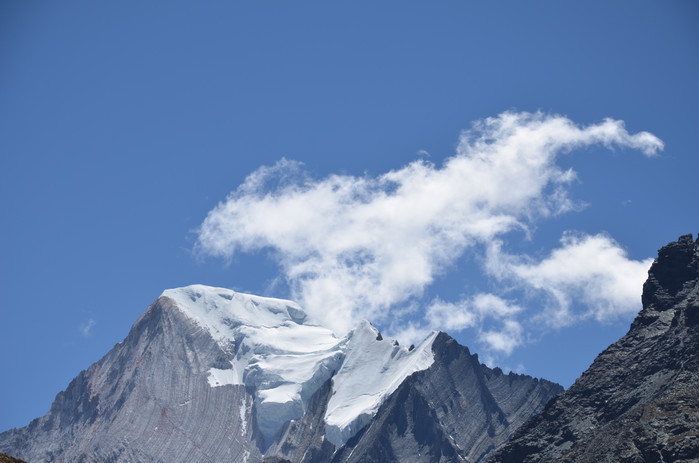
(353, 247)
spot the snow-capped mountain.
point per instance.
(276, 350)
(209, 374)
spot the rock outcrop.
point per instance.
(639, 400)
(8, 459)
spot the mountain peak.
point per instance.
(209, 306)
(676, 268)
(365, 331)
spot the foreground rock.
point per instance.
(639, 401)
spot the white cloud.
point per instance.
(494, 306)
(592, 270)
(478, 311)
(451, 316)
(503, 334)
(355, 247)
(505, 340)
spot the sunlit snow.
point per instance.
(277, 349)
(372, 369)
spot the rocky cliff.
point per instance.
(639, 400)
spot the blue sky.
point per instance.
(123, 126)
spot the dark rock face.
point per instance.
(639, 400)
(303, 441)
(455, 411)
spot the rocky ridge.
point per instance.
(458, 410)
(639, 400)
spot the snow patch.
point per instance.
(281, 394)
(243, 418)
(219, 377)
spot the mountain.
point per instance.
(639, 400)
(209, 374)
(457, 410)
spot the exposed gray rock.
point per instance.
(639, 401)
(147, 400)
(303, 441)
(455, 411)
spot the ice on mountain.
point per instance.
(279, 351)
(275, 348)
(218, 377)
(371, 371)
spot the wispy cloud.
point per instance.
(354, 247)
(503, 334)
(86, 327)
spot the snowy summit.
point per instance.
(276, 349)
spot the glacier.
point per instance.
(275, 348)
